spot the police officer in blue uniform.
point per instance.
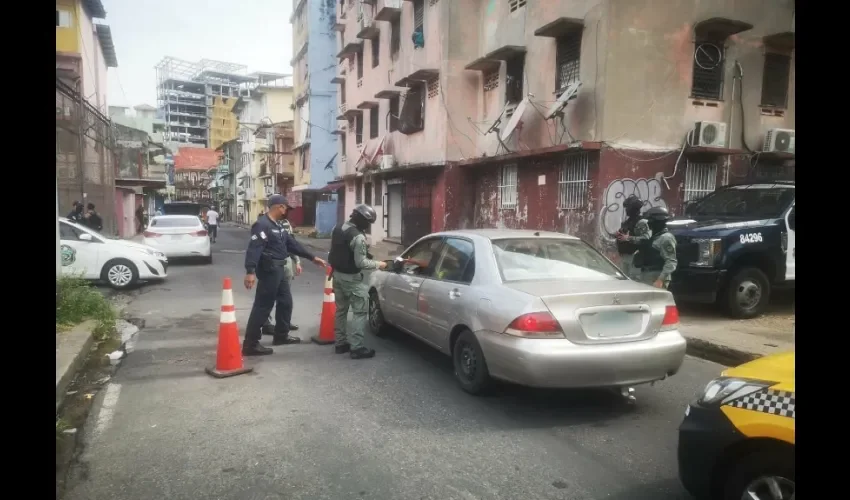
(265, 261)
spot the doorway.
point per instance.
(395, 195)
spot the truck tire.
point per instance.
(747, 293)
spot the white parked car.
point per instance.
(179, 236)
(120, 263)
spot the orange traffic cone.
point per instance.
(228, 361)
(326, 328)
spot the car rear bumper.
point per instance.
(704, 435)
(697, 285)
(191, 247)
(559, 363)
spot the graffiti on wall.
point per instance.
(649, 190)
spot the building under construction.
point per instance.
(195, 99)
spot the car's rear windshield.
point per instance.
(521, 259)
(175, 222)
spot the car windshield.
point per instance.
(549, 259)
(750, 201)
(175, 222)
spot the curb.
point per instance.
(718, 353)
(81, 347)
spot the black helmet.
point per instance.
(657, 214)
(633, 202)
(366, 212)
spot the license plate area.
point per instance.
(175, 237)
(613, 323)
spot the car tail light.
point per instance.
(671, 318)
(150, 234)
(536, 324)
(202, 232)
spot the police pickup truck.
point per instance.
(735, 246)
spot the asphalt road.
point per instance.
(308, 424)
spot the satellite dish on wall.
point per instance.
(514, 121)
(561, 103)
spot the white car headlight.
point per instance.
(154, 253)
(724, 390)
(708, 250)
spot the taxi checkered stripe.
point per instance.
(769, 401)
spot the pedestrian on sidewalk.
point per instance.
(92, 219)
(76, 213)
(349, 257)
(265, 262)
(212, 223)
(140, 219)
(633, 230)
(657, 255)
(292, 269)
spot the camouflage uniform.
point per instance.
(639, 234)
(351, 291)
(665, 244)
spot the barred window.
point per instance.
(508, 187)
(709, 63)
(775, 80)
(700, 180)
(573, 180)
(567, 60)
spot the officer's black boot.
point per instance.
(285, 340)
(362, 353)
(268, 329)
(342, 348)
(256, 350)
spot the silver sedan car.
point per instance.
(534, 308)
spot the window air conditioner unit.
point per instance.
(709, 135)
(779, 140)
(387, 162)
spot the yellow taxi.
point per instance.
(737, 439)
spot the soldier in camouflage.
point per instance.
(657, 255)
(349, 258)
(292, 269)
(632, 232)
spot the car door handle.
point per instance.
(454, 293)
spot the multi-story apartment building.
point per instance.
(84, 140)
(194, 169)
(316, 157)
(450, 113)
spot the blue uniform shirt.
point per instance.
(267, 238)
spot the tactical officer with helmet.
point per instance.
(349, 257)
(265, 261)
(656, 256)
(632, 232)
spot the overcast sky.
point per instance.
(256, 33)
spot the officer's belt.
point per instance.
(275, 262)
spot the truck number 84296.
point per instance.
(751, 238)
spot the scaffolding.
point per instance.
(195, 100)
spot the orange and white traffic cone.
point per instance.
(326, 327)
(228, 361)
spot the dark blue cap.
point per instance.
(278, 199)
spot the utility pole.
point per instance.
(81, 143)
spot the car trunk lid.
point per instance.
(601, 312)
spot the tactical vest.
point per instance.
(649, 256)
(341, 257)
(628, 227)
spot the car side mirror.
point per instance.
(689, 208)
(85, 237)
(397, 265)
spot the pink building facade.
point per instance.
(446, 108)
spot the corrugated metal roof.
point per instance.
(104, 35)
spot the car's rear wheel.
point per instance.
(748, 293)
(761, 476)
(120, 274)
(470, 366)
(376, 316)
